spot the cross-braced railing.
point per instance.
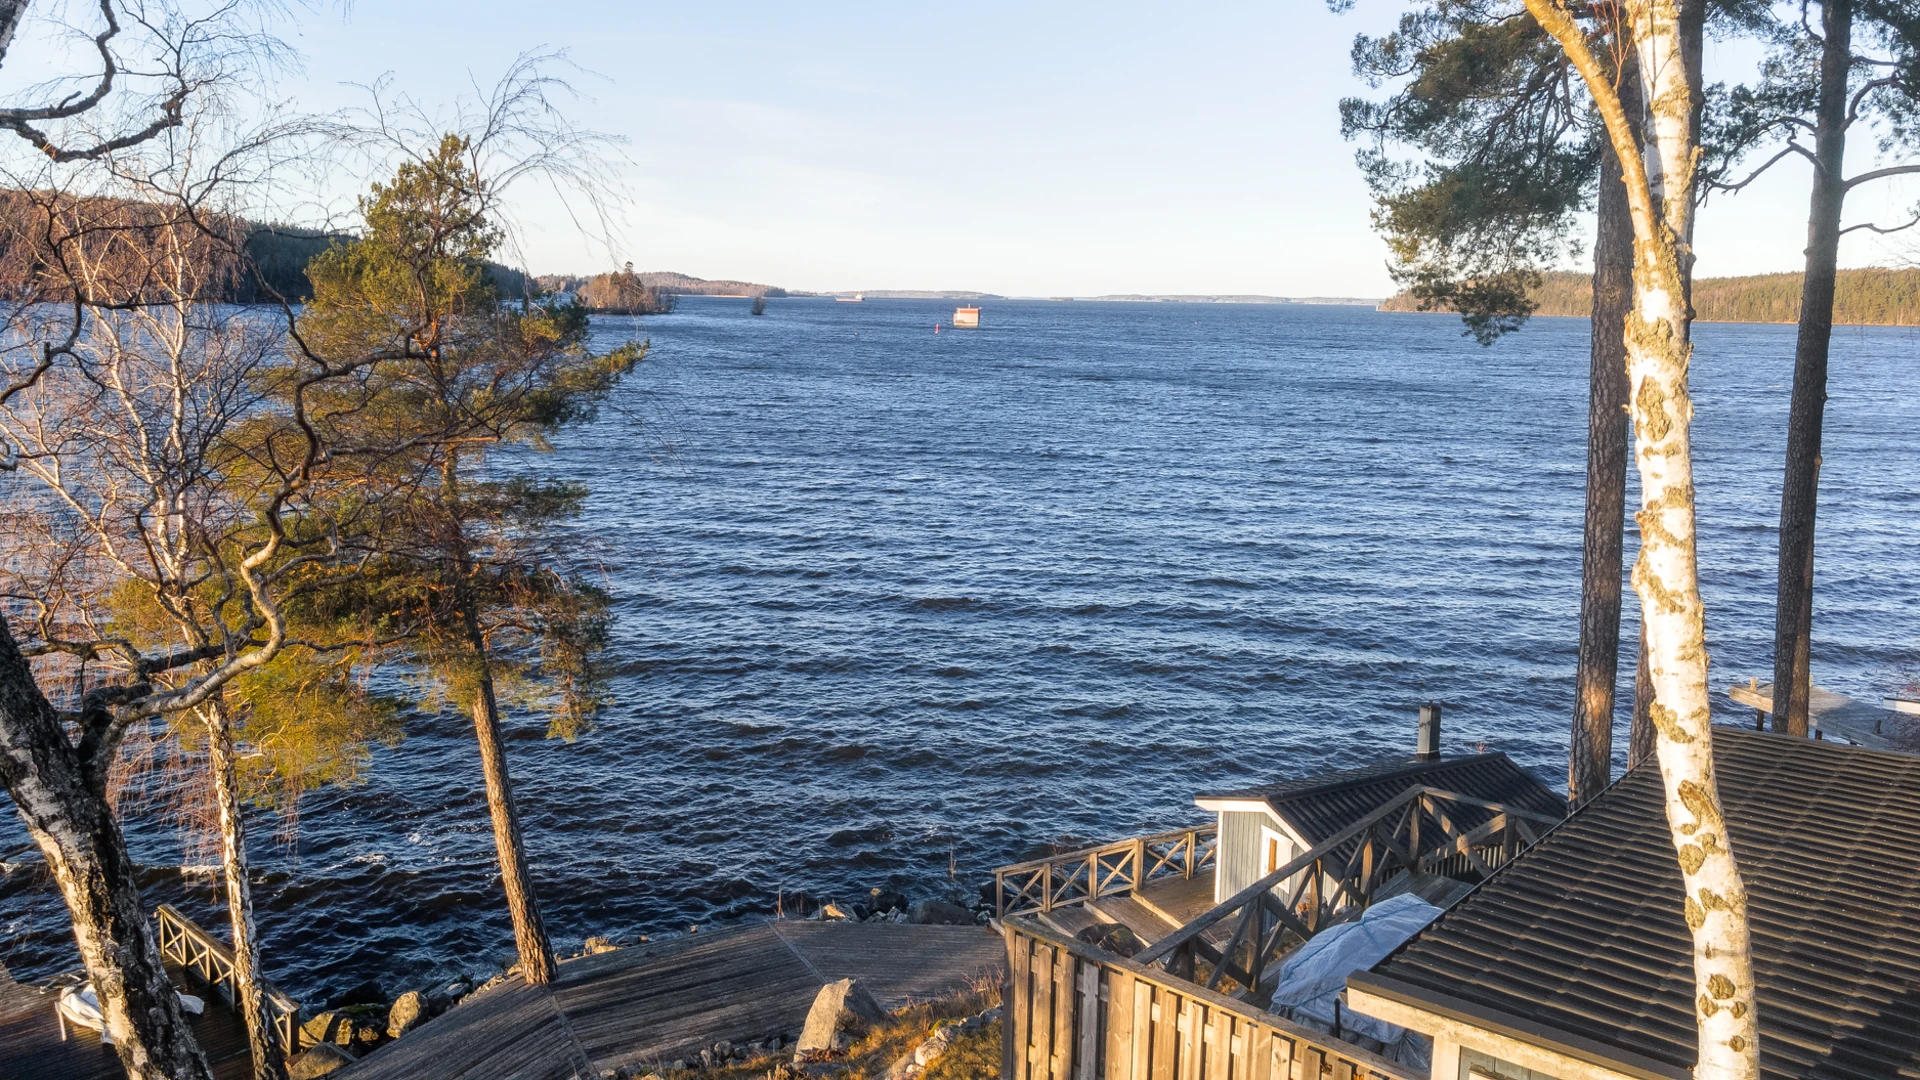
(1419, 831)
(1077, 877)
(183, 942)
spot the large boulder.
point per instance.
(327, 1027)
(319, 1060)
(837, 1008)
(939, 913)
(409, 1011)
(1113, 937)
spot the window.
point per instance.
(1276, 850)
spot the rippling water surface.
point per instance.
(891, 602)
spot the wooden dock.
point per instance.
(30, 1044)
(1833, 715)
(666, 1000)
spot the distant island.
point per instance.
(1230, 298)
(1873, 296)
(628, 291)
(1128, 298)
(626, 283)
(912, 294)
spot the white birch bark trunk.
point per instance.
(1660, 188)
(60, 796)
(263, 1040)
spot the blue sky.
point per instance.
(1029, 149)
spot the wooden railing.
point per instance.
(1415, 831)
(211, 961)
(1077, 877)
(1076, 1012)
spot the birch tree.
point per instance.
(55, 763)
(1659, 169)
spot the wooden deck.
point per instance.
(30, 1045)
(1833, 715)
(667, 1000)
(1164, 905)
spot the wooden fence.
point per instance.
(1417, 831)
(1077, 877)
(1076, 1012)
(183, 942)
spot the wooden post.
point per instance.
(1019, 1006)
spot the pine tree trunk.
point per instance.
(1590, 759)
(529, 931)
(263, 1040)
(62, 800)
(1800, 489)
(1641, 736)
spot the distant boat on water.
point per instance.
(966, 317)
(856, 298)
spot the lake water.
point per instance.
(891, 603)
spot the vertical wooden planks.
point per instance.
(1020, 1007)
(1308, 1062)
(1166, 1033)
(1193, 1036)
(1087, 1017)
(1146, 1017)
(1261, 1054)
(1040, 1029)
(1220, 1054)
(1119, 1025)
(1280, 1061)
(1066, 1001)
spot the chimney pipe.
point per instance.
(1428, 748)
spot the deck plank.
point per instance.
(1147, 924)
(1179, 900)
(665, 1000)
(30, 1044)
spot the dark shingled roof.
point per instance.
(1320, 806)
(1581, 939)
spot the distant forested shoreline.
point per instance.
(1874, 296)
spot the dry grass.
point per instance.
(881, 1045)
(974, 1056)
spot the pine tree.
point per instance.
(462, 573)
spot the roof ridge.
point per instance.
(1413, 768)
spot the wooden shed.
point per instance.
(1264, 828)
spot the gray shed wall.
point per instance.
(1238, 859)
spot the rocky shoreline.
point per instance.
(364, 1018)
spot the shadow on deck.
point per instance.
(667, 1000)
(30, 1044)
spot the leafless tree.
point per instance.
(117, 372)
